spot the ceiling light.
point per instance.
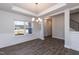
(36, 18)
(33, 19)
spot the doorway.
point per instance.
(54, 26)
(48, 27)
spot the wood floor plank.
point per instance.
(49, 46)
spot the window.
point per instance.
(28, 27)
(22, 28)
(19, 28)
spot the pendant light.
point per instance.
(37, 19)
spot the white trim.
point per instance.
(11, 44)
(74, 8)
(66, 46)
(57, 6)
(58, 37)
(67, 28)
(53, 8)
(75, 49)
(60, 12)
(15, 8)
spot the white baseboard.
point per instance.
(58, 37)
(71, 48)
(76, 49)
(66, 46)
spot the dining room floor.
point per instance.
(49, 46)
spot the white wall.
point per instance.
(7, 21)
(7, 37)
(74, 36)
(58, 26)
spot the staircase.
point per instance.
(74, 25)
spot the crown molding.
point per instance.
(76, 7)
(57, 6)
(18, 9)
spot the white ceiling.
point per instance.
(74, 11)
(32, 7)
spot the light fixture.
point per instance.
(37, 19)
(33, 19)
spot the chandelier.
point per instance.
(37, 19)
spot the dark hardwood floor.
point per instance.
(49, 46)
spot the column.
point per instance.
(67, 28)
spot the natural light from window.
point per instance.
(22, 27)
